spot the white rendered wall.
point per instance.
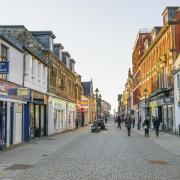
(176, 106)
(15, 58)
(35, 74)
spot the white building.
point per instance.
(11, 107)
(176, 73)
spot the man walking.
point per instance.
(156, 126)
(146, 127)
(133, 121)
(139, 123)
(119, 121)
(128, 125)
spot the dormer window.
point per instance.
(51, 43)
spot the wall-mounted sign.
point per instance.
(4, 67)
(38, 101)
(23, 92)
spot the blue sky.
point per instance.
(99, 34)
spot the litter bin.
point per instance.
(37, 132)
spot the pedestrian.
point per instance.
(128, 125)
(106, 119)
(146, 125)
(77, 122)
(139, 123)
(133, 121)
(156, 125)
(119, 121)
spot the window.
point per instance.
(4, 57)
(27, 64)
(55, 118)
(33, 67)
(178, 82)
(4, 52)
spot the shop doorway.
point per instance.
(11, 123)
(38, 117)
(3, 123)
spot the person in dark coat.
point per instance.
(133, 121)
(106, 119)
(128, 125)
(146, 127)
(119, 121)
(156, 126)
(139, 123)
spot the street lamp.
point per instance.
(138, 97)
(97, 91)
(100, 104)
(145, 94)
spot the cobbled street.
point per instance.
(83, 155)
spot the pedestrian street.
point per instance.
(80, 154)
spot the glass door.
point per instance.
(42, 121)
(32, 119)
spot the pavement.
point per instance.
(82, 155)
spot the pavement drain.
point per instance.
(50, 139)
(160, 162)
(19, 167)
(44, 155)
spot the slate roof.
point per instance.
(22, 38)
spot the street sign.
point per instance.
(4, 67)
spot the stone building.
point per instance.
(155, 89)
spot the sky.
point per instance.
(99, 34)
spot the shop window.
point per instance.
(56, 123)
(62, 121)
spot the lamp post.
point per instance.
(138, 107)
(97, 91)
(100, 105)
(145, 94)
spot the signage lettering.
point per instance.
(4, 67)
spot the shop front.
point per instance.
(78, 114)
(167, 113)
(56, 115)
(38, 114)
(85, 110)
(11, 115)
(71, 115)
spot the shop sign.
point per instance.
(168, 100)
(153, 104)
(38, 101)
(4, 67)
(39, 98)
(23, 91)
(19, 108)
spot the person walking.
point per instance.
(133, 121)
(106, 119)
(146, 127)
(139, 123)
(156, 125)
(128, 125)
(119, 121)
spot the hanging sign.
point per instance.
(4, 67)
